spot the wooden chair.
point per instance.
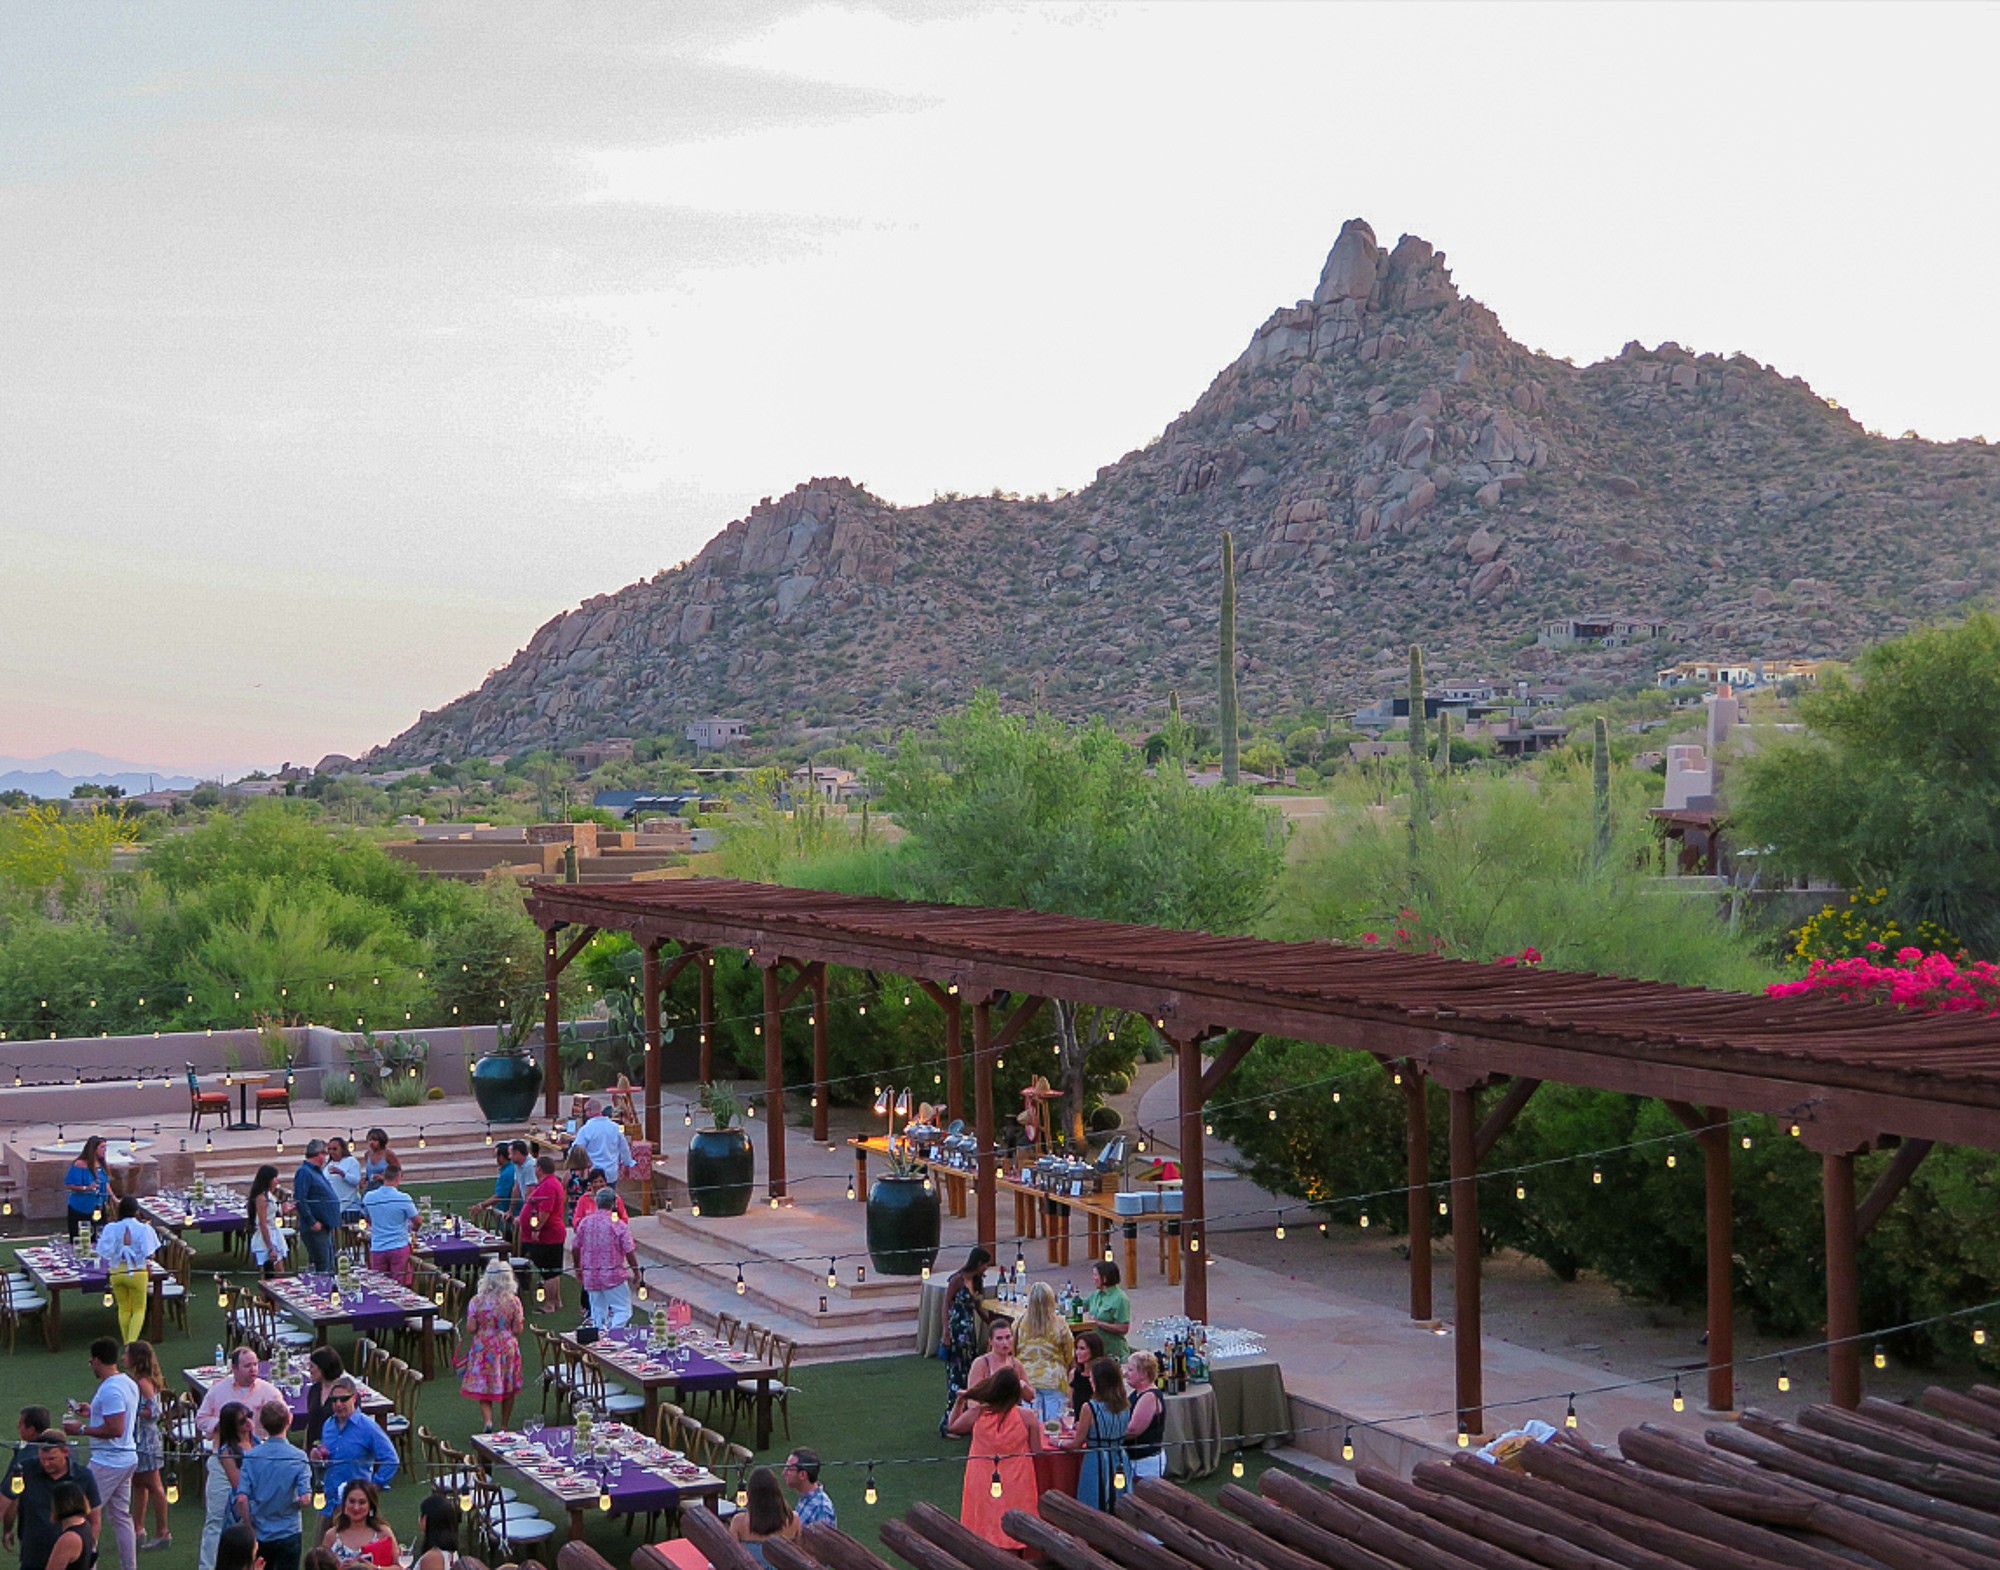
(177, 1259)
(782, 1350)
(667, 1424)
(737, 1459)
(204, 1103)
(725, 1328)
(557, 1359)
(591, 1389)
(500, 1524)
(277, 1096)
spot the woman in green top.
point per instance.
(1108, 1311)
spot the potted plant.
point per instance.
(721, 1165)
(905, 1219)
(507, 1080)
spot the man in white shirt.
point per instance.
(343, 1171)
(111, 1428)
(605, 1143)
(244, 1384)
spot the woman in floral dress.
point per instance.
(490, 1365)
(963, 1315)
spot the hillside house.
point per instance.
(713, 733)
(835, 785)
(1611, 632)
(590, 756)
(1738, 673)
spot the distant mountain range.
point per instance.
(1394, 468)
(53, 777)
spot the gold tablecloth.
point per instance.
(1194, 1432)
(1251, 1405)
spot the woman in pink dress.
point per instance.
(1005, 1436)
(490, 1365)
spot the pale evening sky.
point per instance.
(342, 345)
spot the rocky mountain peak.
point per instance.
(1394, 468)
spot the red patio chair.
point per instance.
(202, 1102)
(277, 1096)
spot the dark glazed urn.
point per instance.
(904, 1225)
(505, 1086)
(720, 1171)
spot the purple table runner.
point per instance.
(691, 1370)
(633, 1488)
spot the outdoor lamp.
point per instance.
(995, 1484)
(16, 1483)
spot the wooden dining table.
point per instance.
(370, 1300)
(634, 1489)
(56, 1267)
(693, 1367)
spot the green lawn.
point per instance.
(883, 1411)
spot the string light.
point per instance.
(741, 1286)
(1784, 1377)
(173, 1489)
(1672, 1160)
(1280, 1232)
(869, 1494)
(1881, 1357)
(1464, 1435)
(1597, 1176)
(1979, 1335)
(319, 1497)
(1520, 1191)
(1746, 1141)
(604, 1499)
(832, 1274)
(1347, 1444)
(1236, 1464)
(1680, 1401)
(994, 1486)
(1364, 1221)
(1569, 1416)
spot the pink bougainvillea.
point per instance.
(1932, 983)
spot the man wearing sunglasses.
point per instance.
(352, 1445)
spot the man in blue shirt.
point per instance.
(390, 1214)
(503, 1204)
(274, 1484)
(352, 1445)
(318, 1207)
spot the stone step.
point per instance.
(778, 1249)
(829, 1338)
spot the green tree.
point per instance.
(1895, 783)
(1026, 811)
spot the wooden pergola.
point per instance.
(1848, 1077)
(1891, 1487)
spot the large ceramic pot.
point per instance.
(721, 1170)
(904, 1225)
(505, 1085)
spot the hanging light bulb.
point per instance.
(1322, 1229)
(1347, 1445)
(1597, 1176)
(1795, 1131)
(1978, 1331)
(541, 1294)
(423, 1139)
(741, 1286)
(1464, 1435)
(1271, 1113)
(1569, 1416)
(1746, 1141)
(465, 1500)
(695, 1208)
(173, 1493)
(832, 1274)
(868, 1494)
(1680, 1401)
(1236, 1464)
(860, 1273)
(1364, 1221)
(994, 1486)
(687, 1116)
(604, 1498)
(1444, 1207)
(1118, 1480)
(221, 1293)
(644, 1290)
(1672, 1160)
(1194, 1245)
(1881, 1357)
(1784, 1377)
(319, 1496)
(17, 1484)
(925, 1272)
(1520, 1191)
(1208, 1128)
(850, 1188)
(1280, 1232)
(107, 1300)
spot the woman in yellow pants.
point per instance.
(127, 1247)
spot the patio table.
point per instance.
(373, 1402)
(696, 1364)
(640, 1476)
(174, 1212)
(57, 1268)
(453, 1247)
(370, 1301)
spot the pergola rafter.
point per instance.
(1850, 1076)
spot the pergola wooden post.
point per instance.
(1465, 1261)
(1194, 1209)
(985, 1190)
(820, 1050)
(954, 1048)
(705, 1014)
(649, 1006)
(1843, 1286)
(553, 965)
(774, 1079)
(1417, 1164)
(1710, 1127)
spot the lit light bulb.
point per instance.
(696, 1209)
(465, 1500)
(1569, 1416)
(173, 1493)
(1464, 1437)
(1746, 1141)
(1795, 1131)
(1117, 1481)
(1978, 1331)
(850, 1188)
(994, 1486)
(107, 1300)
(541, 1293)
(832, 1277)
(319, 1498)
(1784, 1378)
(925, 1272)
(16, 1484)
(644, 1290)
(1520, 1191)
(1271, 1113)
(1597, 1176)
(1364, 1221)
(1680, 1401)
(1208, 1128)
(1881, 1357)
(1672, 1160)
(1347, 1445)
(1444, 1207)
(604, 1499)
(869, 1495)
(1194, 1245)
(1236, 1464)
(741, 1288)
(1280, 1232)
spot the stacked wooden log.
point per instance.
(1888, 1486)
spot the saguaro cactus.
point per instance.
(1226, 661)
(1600, 786)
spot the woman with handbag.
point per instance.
(269, 1244)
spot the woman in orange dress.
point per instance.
(1005, 1436)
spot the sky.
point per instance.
(343, 345)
